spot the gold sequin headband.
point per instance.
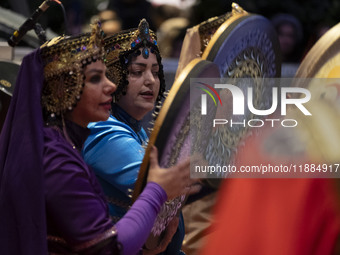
(64, 60)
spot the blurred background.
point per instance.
(298, 23)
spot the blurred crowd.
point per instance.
(299, 25)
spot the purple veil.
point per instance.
(22, 207)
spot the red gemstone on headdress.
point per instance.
(117, 46)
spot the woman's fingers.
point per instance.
(154, 157)
(193, 189)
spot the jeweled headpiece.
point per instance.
(64, 61)
(121, 46)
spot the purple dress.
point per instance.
(48, 192)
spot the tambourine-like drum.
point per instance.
(316, 138)
(323, 59)
(321, 67)
(171, 133)
(235, 45)
(8, 75)
(245, 47)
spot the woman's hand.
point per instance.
(175, 180)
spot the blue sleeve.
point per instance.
(114, 153)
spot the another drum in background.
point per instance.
(8, 75)
(246, 49)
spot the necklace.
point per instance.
(66, 134)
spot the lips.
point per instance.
(147, 93)
(107, 104)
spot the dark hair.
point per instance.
(125, 60)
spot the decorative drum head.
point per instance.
(244, 46)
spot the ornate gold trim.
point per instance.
(321, 53)
(237, 12)
(107, 234)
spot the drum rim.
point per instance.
(323, 50)
(195, 66)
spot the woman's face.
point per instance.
(143, 87)
(95, 101)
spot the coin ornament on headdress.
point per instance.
(64, 60)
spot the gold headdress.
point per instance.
(120, 46)
(129, 40)
(64, 60)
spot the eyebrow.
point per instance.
(95, 71)
(144, 65)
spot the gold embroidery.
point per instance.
(118, 203)
(64, 59)
(107, 234)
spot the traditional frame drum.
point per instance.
(234, 45)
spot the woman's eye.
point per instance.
(95, 79)
(136, 73)
(155, 74)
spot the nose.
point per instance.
(149, 78)
(110, 87)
